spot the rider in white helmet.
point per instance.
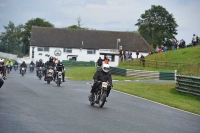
(102, 75)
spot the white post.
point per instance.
(175, 74)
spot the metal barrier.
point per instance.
(188, 84)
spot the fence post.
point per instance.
(175, 73)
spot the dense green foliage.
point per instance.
(16, 39)
(157, 26)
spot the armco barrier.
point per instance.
(188, 84)
(118, 71)
(78, 63)
(141, 74)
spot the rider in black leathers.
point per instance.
(102, 75)
(3, 71)
(48, 64)
(23, 65)
(38, 65)
(33, 64)
(60, 67)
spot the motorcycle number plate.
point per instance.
(23, 68)
(0, 76)
(104, 84)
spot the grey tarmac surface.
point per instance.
(30, 105)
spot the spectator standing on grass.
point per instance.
(129, 54)
(137, 53)
(197, 40)
(124, 55)
(194, 39)
(142, 59)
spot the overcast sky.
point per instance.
(111, 15)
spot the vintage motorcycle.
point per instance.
(23, 71)
(40, 72)
(49, 75)
(2, 78)
(59, 78)
(15, 67)
(31, 67)
(8, 68)
(100, 95)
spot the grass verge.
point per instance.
(162, 93)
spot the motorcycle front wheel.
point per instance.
(102, 100)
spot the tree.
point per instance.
(27, 31)
(156, 25)
(11, 38)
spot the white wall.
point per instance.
(81, 53)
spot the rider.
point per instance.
(48, 64)
(9, 63)
(102, 75)
(23, 65)
(32, 66)
(60, 67)
(39, 64)
(2, 69)
(16, 63)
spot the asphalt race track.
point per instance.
(30, 105)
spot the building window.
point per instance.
(43, 49)
(46, 49)
(68, 50)
(40, 48)
(91, 51)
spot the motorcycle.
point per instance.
(31, 67)
(8, 69)
(49, 75)
(23, 71)
(100, 95)
(1, 79)
(59, 78)
(15, 67)
(40, 72)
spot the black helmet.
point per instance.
(23, 62)
(40, 60)
(50, 58)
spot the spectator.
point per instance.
(142, 59)
(137, 53)
(99, 62)
(197, 40)
(194, 40)
(129, 55)
(124, 55)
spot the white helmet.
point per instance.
(105, 68)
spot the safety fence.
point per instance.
(78, 63)
(141, 74)
(156, 64)
(188, 84)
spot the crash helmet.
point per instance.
(40, 60)
(105, 68)
(50, 58)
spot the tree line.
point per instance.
(156, 25)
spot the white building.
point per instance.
(83, 45)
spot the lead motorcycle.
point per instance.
(31, 67)
(49, 75)
(100, 95)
